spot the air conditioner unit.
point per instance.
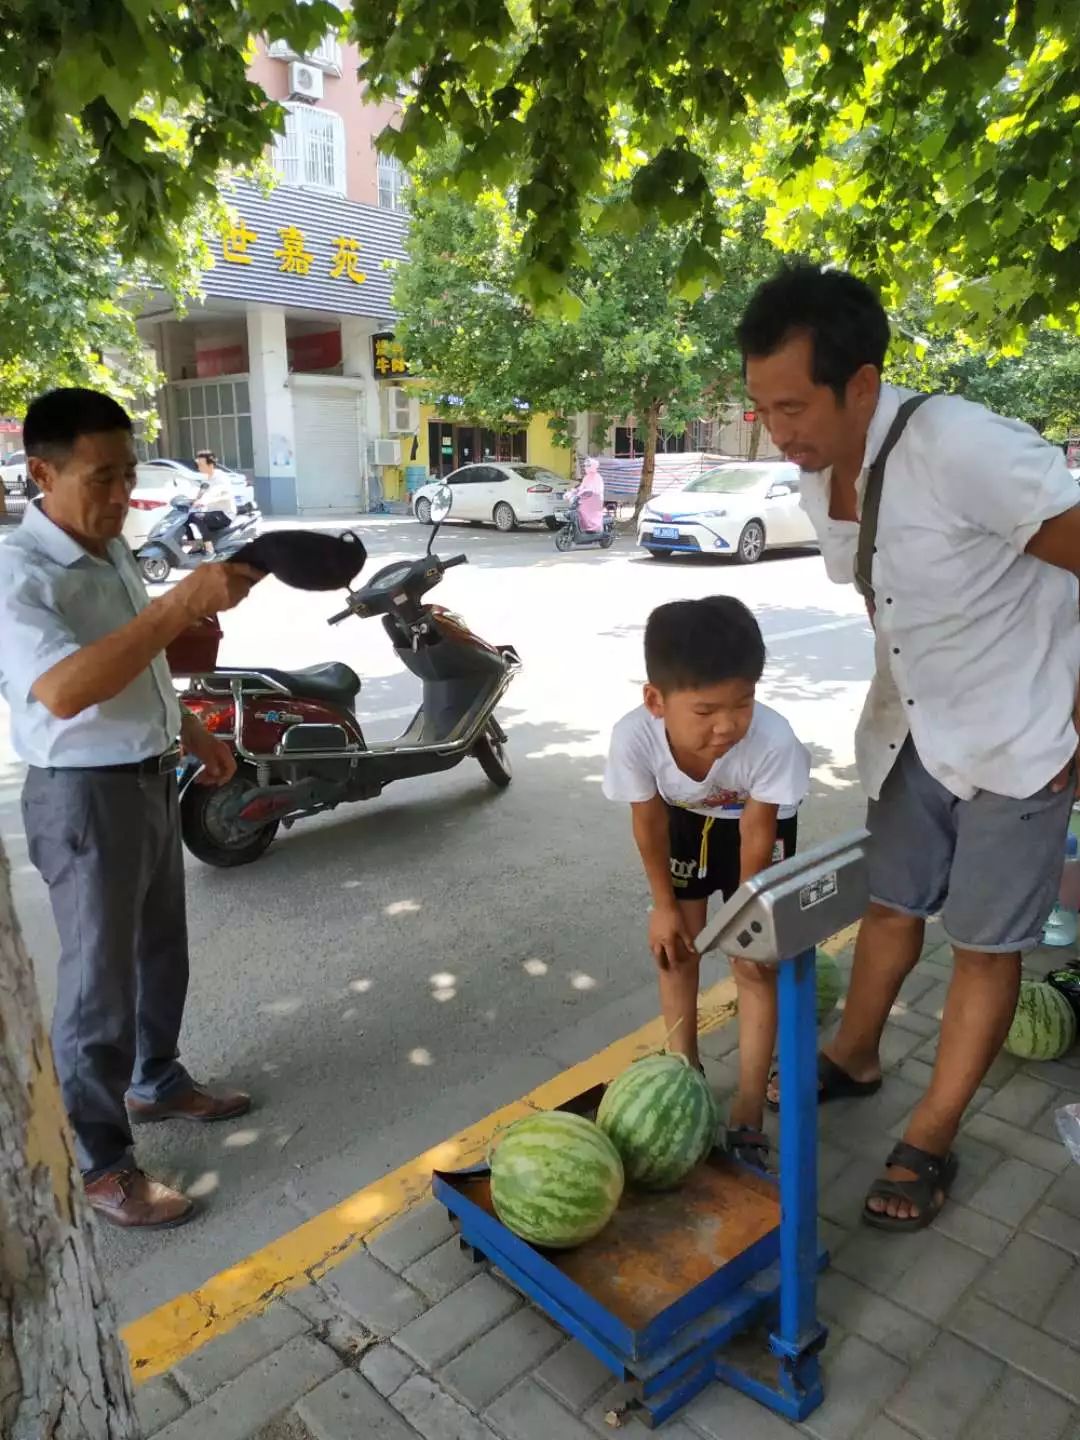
(402, 411)
(305, 82)
(384, 452)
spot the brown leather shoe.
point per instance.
(132, 1200)
(198, 1103)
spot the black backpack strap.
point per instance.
(871, 500)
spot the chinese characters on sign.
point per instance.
(388, 355)
(347, 261)
(295, 259)
(238, 241)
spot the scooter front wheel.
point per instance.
(494, 760)
(564, 540)
(209, 832)
(155, 569)
(608, 540)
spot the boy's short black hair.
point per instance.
(691, 644)
(845, 320)
(207, 455)
(56, 420)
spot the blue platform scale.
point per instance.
(716, 1280)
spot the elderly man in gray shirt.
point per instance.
(95, 717)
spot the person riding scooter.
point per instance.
(214, 508)
(590, 497)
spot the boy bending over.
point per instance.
(714, 780)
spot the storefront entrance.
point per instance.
(451, 446)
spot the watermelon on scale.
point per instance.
(662, 1117)
(556, 1179)
(1044, 1026)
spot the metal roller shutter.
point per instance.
(329, 453)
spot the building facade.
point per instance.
(279, 370)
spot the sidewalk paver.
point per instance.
(345, 1407)
(386, 1367)
(968, 1330)
(445, 1329)
(574, 1374)
(493, 1363)
(379, 1299)
(945, 1390)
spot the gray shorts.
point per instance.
(991, 866)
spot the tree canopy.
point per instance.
(931, 145)
(67, 298)
(158, 91)
(636, 344)
(935, 139)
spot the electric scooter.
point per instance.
(299, 745)
(173, 545)
(572, 537)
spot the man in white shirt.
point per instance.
(95, 718)
(966, 744)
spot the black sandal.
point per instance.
(749, 1147)
(936, 1173)
(833, 1084)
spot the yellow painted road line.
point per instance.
(166, 1335)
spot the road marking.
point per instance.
(817, 629)
(162, 1338)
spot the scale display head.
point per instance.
(792, 906)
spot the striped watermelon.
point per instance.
(556, 1179)
(830, 986)
(662, 1117)
(1066, 981)
(1043, 1026)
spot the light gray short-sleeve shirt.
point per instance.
(56, 598)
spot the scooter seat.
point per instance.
(333, 681)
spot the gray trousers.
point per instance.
(108, 847)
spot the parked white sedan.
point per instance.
(155, 486)
(13, 474)
(741, 509)
(242, 488)
(503, 495)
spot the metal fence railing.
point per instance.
(12, 508)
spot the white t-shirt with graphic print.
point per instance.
(769, 764)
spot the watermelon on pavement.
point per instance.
(1066, 981)
(1044, 1025)
(662, 1116)
(556, 1179)
(830, 985)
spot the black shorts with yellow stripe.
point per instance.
(705, 852)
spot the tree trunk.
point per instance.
(755, 438)
(63, 1371)
(648, 463)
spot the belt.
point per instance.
(154, 765)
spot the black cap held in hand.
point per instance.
(305, 559)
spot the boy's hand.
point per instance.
(670, 940)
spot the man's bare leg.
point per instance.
(886, 950)
(978, 1012)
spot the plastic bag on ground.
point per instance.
(1067, 1120)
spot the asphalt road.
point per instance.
(391, 972)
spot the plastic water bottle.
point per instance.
(1062, 926)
